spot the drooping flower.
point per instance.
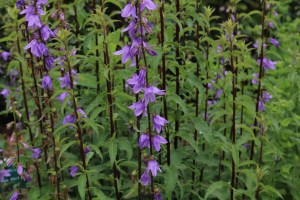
(73, 170)
(271, 25)
(69, 119)
(150, 93)
(81, 112)
(147, 4)
(46, 83)
(19, 169)
(139, 108)
(36, 153)
(4, 173)
(261, 105)
(145, 178)
(14, 196)
(144, 141)
(129, 10)
(5, 93)
(138, 82)
(66, 81)
(267, 97)
(46, 33)
(37, 49)
(157, 140)
(158, 123)
(255, 45)
(5, 55)
(274, 42)
(153, 167)
(158, 196)
(87, 150)
(267, 64)
(125, 52)
(218, 93)
(25, 145)
(255, 78)
(62, 97)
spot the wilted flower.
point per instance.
(73, 170)
(36, 153)
(158, 123)
(27, 177)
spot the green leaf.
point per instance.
(214, 187)
(112, 150)
(270, 189)
(171, 178)
(65, 147)
(81, 186)
(189, 138)
(133, 192)
(178, 100)
(124, 144)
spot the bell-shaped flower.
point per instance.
(158, 123)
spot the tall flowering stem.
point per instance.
(79, 130)
(138, 29)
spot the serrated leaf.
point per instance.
(214, 187)
(65, 147)
(189, 138)
(81, 186)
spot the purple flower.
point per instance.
(69, 119)
(150, 93)
(38, 49)
(274, 42)
(129, 10)
(145, 178)
(62, 97)
(139, 108)
(5, 92)
(36, 153)
(219, 49)
(4, 173)
(46, 33)
(138, 82)
(153, 167)
(27, 177)
(218, 93)
(255, 78)
(14, 196)
(65, 81)
(25, 145)
(125, 52)
(42, 2)
(10, 161)
(49, 60)
(255, 45)
(73, 170)
(261, 105)
(20, 169)
(157, 140)
(267, 97)
(246, 145)
(87, 150)
(158, 123)
(46, 83)
(144, 141)
(158, 196)
(211, 102)
(81, 112)
(20, 4)
(5, 55)
(267, 64)
(147, 4)
(271, 25)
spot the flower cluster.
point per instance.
(138, 29)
